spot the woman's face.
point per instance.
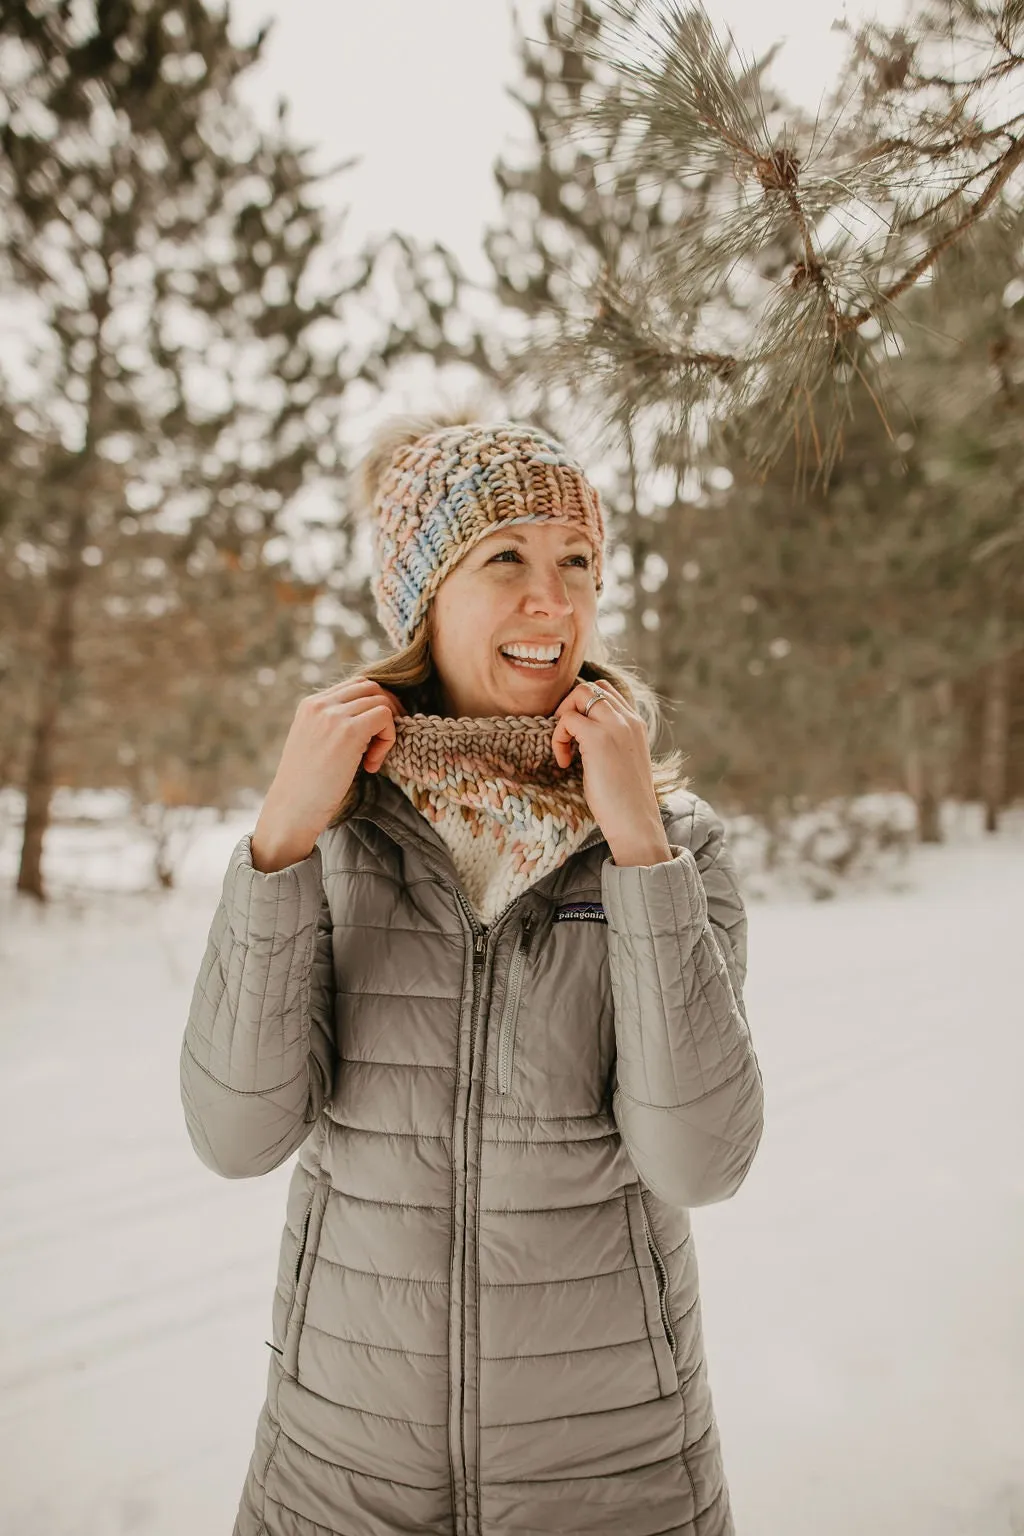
(531, 584)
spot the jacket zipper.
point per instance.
(510, 1012)
(394, 829)
(660, 1266)
(303, 1239)
(479, 948)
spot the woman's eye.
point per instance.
(584, 558)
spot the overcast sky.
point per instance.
(417, 89)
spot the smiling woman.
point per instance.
(523, 583)
(498, 1008)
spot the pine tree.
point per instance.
(962, 376)
(806, 609)
(184, 361)
(868, 615)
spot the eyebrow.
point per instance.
(520, 538)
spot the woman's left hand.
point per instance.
(617, 775)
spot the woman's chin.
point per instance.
(533, 695)
(517, 691)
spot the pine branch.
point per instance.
(1006, 168)
(773, 250)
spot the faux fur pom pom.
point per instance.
(394, 433)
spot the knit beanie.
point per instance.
(434, 494)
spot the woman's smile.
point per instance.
(533, 656)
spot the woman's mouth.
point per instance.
(534, 658)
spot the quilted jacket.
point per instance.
(486, 1319)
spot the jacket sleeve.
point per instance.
(688, 1097)
(258, 1056)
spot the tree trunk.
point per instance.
(55, 677)
(913, 767)
(72, 491)
(995, 739)
(928, 722)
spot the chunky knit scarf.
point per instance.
(492, 789)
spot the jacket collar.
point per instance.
(381, 802)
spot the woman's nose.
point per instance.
(548, 594)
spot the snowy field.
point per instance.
(863, 1293)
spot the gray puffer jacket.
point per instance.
(486, 1320)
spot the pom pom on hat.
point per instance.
(394, 433)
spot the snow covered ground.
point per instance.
(863, 1293)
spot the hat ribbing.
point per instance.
(443, 493)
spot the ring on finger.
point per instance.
(598, 693)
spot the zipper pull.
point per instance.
(479, 943)
(527, 930)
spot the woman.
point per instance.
(490, 986)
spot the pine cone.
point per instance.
(779, 171)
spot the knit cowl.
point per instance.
(493, 791)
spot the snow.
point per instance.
(861, 1293)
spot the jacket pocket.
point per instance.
(661, 1270)
(653, 1277)
(510, 1010)
(305, 1261)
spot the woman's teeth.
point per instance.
(531, 663)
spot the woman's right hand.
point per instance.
(333, 732)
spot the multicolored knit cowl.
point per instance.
(493, 791)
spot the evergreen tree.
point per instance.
(962, 376)
(875, 610)
(813, 626)
(183, 362)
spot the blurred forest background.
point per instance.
(792, 349)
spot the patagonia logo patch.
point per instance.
(581, 912)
